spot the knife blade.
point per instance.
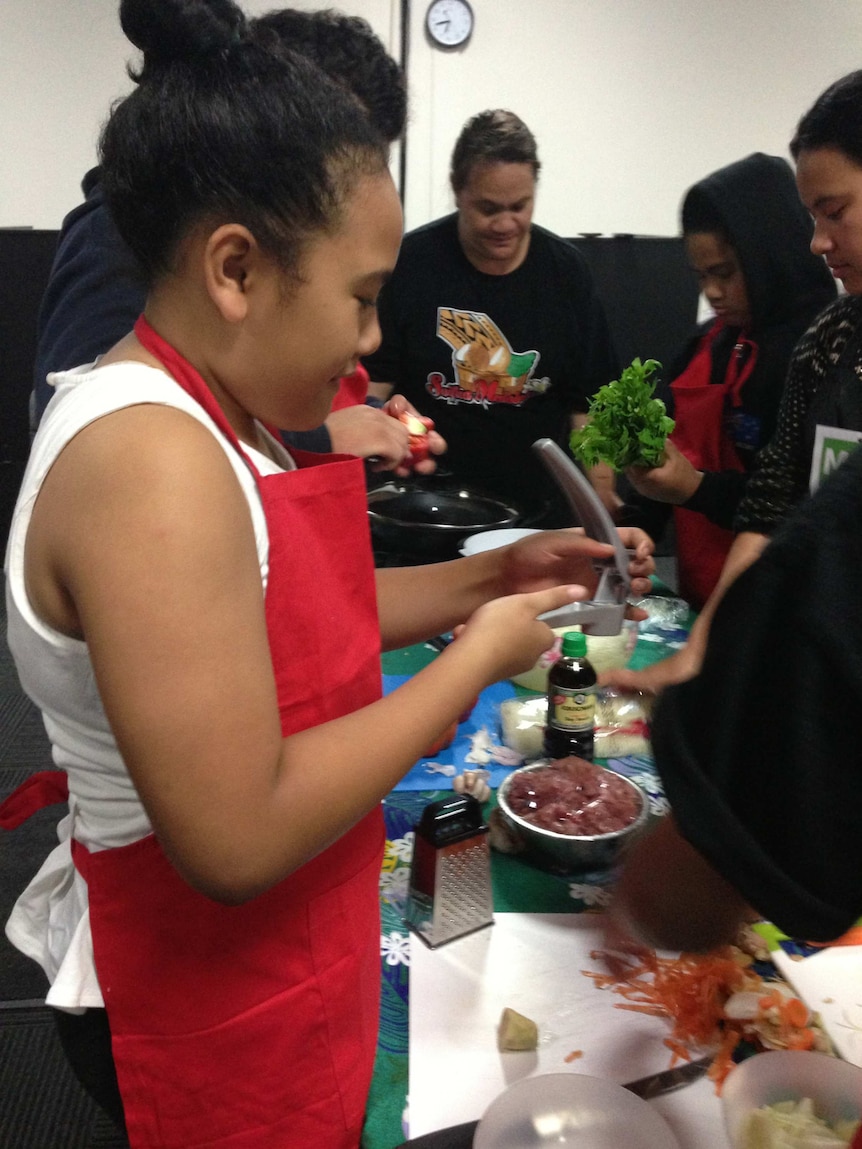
(667, 1080)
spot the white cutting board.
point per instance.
(532, 963)
(830, 983)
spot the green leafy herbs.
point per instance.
(628, 425)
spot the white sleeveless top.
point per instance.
(50, 921)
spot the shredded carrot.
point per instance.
(794, 1012)
(722, 1063)
(691, 991)
(774, 1000)
(574, 1055)
(679, 1051)
(651, 1010)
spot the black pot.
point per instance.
(427, 519)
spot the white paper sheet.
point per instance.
(532, 963)
(830, 983)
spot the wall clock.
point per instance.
(449, 22)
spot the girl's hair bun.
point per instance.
(169, 30)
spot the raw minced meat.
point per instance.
(573, 796)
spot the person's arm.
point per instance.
(777, 484)
(156, 566)
(377, 433)
(780, 478)
(416, 603)
(674, 481)
(758, 755)
(669, 897)
(718, 496)
(685, 663)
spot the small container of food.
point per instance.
(571, 814)
(792, 1097)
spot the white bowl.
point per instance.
(490, 540)
(571, 1110)
(833, 1085)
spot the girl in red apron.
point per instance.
(747, 237)
(198, 616)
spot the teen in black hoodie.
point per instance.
(747, 236)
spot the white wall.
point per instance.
(631, 100)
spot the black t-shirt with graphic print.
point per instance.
(497, 361)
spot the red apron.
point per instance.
(699, 407)
(255, 1026)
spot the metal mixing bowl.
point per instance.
(570, 852)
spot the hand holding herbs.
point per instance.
(628, 426)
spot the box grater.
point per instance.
(450, 874)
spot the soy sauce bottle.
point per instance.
(571, 701)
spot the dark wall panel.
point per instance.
(649, 292)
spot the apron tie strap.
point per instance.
(45, 788)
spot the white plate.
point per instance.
(830, 983)
(571, 1110)
(490, 540)
(532, 963)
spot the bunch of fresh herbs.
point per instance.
(628, 426)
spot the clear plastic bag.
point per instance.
(622, 723)
(522, 724)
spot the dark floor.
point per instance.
(42, 1105)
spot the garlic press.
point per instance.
(604, 613)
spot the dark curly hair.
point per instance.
(226, 124)
(347, 49)
(492, 137)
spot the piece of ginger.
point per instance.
(516, 1032)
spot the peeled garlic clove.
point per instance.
(473, 782)
(480, 790)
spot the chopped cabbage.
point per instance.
(795, 1125)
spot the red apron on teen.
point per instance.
(699, 407)
(255, 1026)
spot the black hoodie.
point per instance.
(762, 216)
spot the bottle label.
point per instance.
(572, 710)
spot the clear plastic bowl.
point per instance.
(833, 1085)
(571, 1111)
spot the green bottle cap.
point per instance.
(574, 644)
